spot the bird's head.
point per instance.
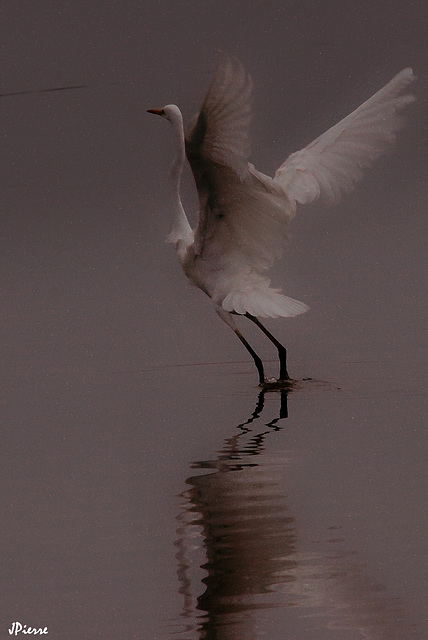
(170, 112)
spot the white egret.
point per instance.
(244, 214)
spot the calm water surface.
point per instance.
(181, 503)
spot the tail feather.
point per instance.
(263, 303)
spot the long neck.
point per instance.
(181, 229)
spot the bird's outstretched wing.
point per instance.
(241, 211)
(335, 161)
(220, 131)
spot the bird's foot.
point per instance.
(277, 384)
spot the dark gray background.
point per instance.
(100, 421)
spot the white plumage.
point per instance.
(335, 161)
(244, 214)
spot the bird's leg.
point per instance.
(257, 360)
(282, 351)
(227, 318)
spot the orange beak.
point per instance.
(157, 112)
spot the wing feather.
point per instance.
(241, 211)
(220, 132)
(335, 161)
(243, 218)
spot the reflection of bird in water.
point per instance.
(242, 574)
(244, 214)
(248, 536)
